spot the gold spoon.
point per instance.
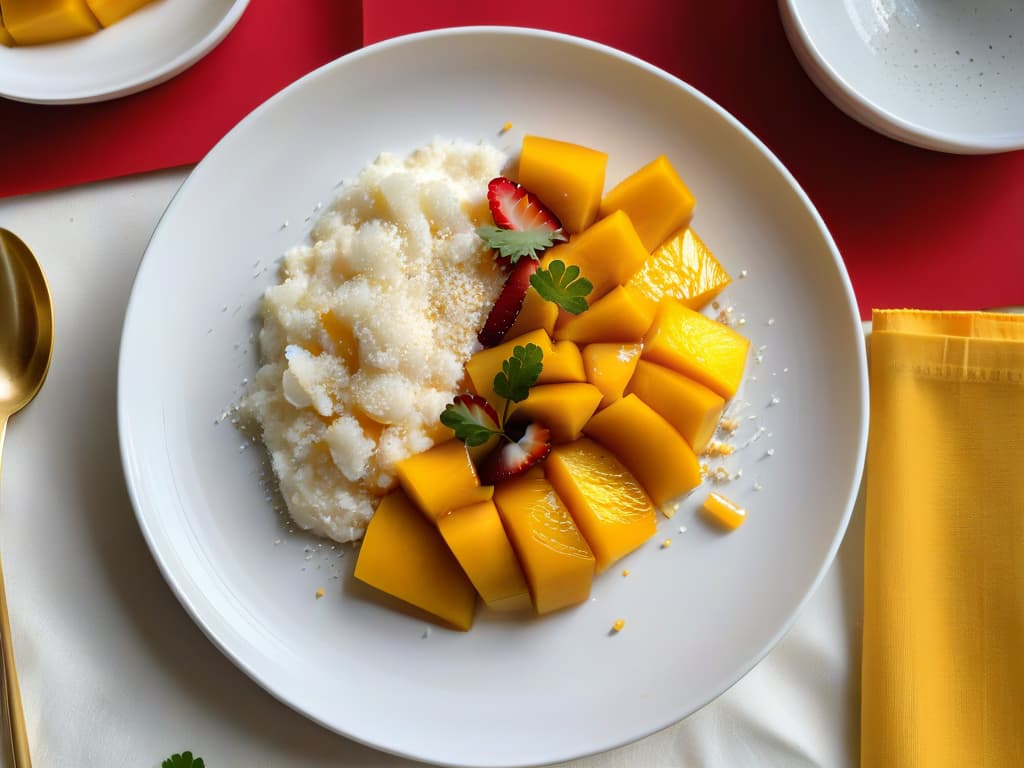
(26, 343)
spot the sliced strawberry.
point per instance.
(510, 459)
(510, 301)
(513, 207)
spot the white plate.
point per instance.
(699, 614)
(142, 50)
(939, 75)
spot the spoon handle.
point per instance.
(12, 692)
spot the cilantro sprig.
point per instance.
(563, 285)
(474, 420)
(513, 244)
(184, 760)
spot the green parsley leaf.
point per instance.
(563, 286)
(472, 419)
(516, 243)
(519, 373)
(184, 760)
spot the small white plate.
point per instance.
(947, 76)
(144, 49)
(519, 690)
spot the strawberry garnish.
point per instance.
(510, 301)
(472, 419)
(525, 226)
(513, 207)
(513, 458)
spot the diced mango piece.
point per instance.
(612, 511)
(45, 21)
(697, 346)
(723, 511)
(565, 363)
(693, 409)
(562, 408)
(478, 540)
(656, 199)
(536, 312)
(609, 367)
(623, 315)
(555, 557)
(608, 254)
(486, 364)
(109, 11)
(441, 479)
(650, 448)
(404, 555)
(683, 268)
(568, 179)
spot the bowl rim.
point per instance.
(862, 109)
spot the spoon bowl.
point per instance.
(26, 345)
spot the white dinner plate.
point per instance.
(145, 48)
(522, 690)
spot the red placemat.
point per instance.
(916, 228)
(176, 123)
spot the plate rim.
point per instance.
(160, 74)
(854, 322)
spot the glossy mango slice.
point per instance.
(5, 36)
(624, 315)
(110, 11)
(609, 367)
(724, 511)
(650, 448)
(697, 346)
(612, 511)
(568, 178)
(693, 409)
(30, 22)
(536, 312)
(608, 253)
(477, 538)
(656, 199)
(556, 559)
(486, 364)
(683, 268)
(562, 408)
(441, 479)
(404, 555)
(564, 364)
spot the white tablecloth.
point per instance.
(114, 672)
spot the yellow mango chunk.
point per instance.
(650, 448)
(723, 511)
(697, 346)
(344, 341)
(565, 363)
(562, 408)
(537, 312)
(568, 179)
(623, 315)
(442, 479)
(31, 22)
(683, 268)
(404, 555)
(608, 254)
(109, 11)
(609, 367)
(656, 199)
(614, 514)
(555, 557)
(486, 364)
(693, 409)
(477, 538)
(5, 36)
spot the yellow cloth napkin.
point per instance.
(943, 664)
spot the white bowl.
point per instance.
(942, 75)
